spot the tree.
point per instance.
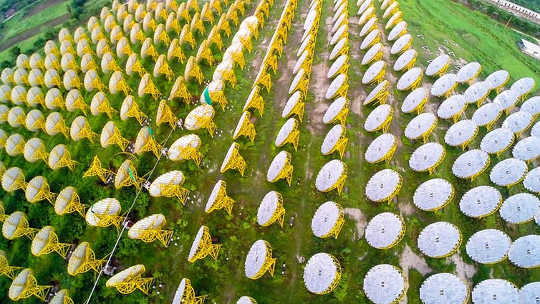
(5, 64)
(77, 8)
(50, 34)
(15, 51)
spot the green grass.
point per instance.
(25, 45)
(469, 34)
(20, 23)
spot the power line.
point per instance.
(124, 224)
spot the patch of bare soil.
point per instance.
(256, 63)
(319, 82)
(357, 92)
(289, 52)
(318, 85)
(408, 259)
(359, 218)
(406, 209)
(463, 270)
(316, 125)
(459, 62)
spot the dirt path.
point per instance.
(357, 93)
(294, 211)
(360, 221)
(43, 5)
(319, 82)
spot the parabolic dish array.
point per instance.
(379, 118)
(334, 137)
(378, 93)
(438, 65)
(409, 79)
(531, 105)
(530, 292)
(335, 109)
(452, 107)
(535, 130)
(527, 149)
(270, 209)
(506, 99)
(468, 72)
(461, 133)
(258, 260)
(383, 185)
(444, 85)
(331, 175)
(497, 79)
(532, 181)
(476, 93)
(523, 86)
(518, 122)
(372, 53)
(397, 31)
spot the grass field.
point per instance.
(470, 35)
(223, 280)
(25, 45)
(20, 22)
(24, 29)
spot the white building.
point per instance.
(529, 48)
(518, 9)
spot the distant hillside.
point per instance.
(531, 4)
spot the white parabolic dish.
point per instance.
(329, 175)
(320, 273)
(443, 288)
(325, 219)
(384, 230)
(502, 290)
(384, 284)
(488, 246)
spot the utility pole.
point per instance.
(508, 22)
